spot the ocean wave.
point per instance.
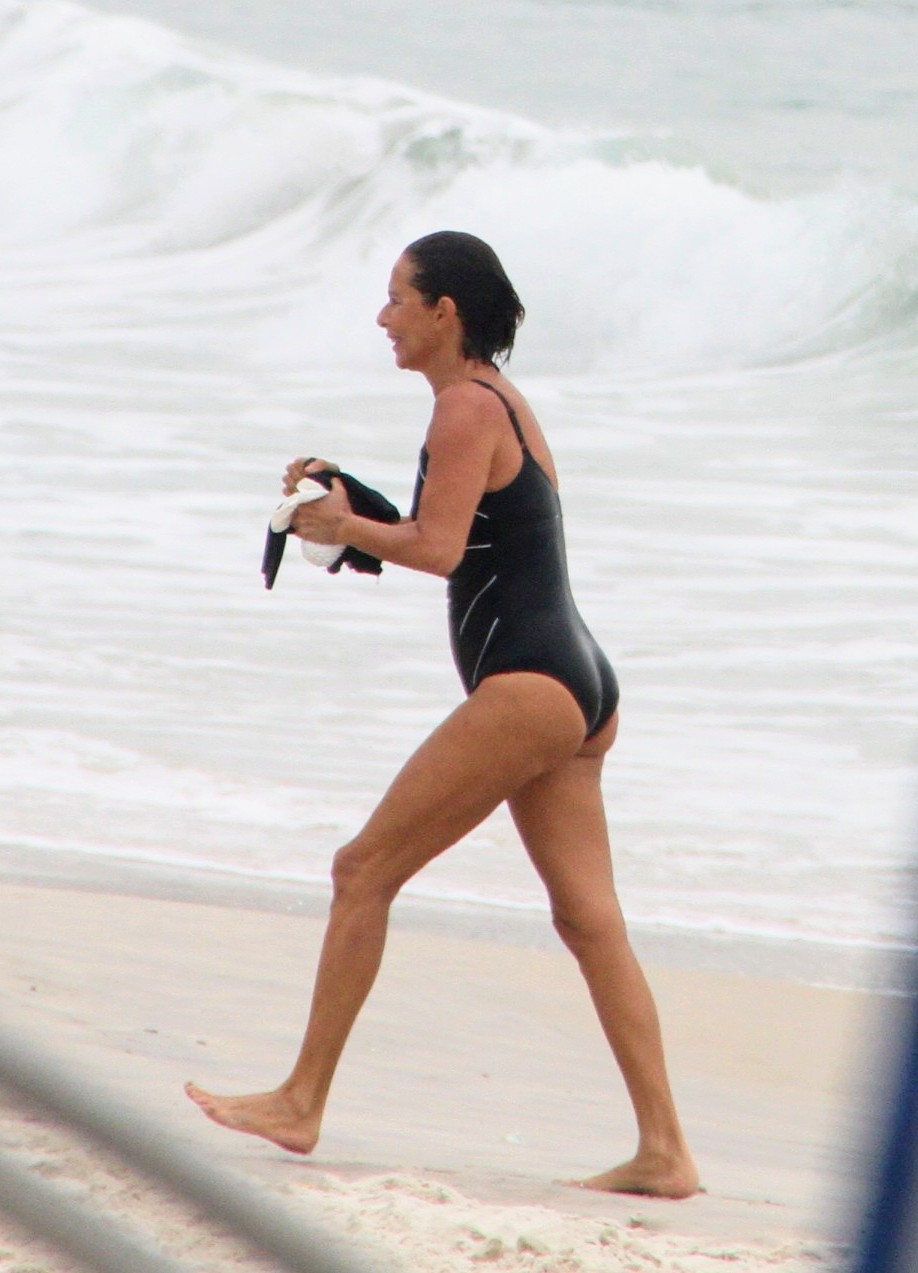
(168, 194)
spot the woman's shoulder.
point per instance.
(469, 404)
(482, 398)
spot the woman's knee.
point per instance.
(581, 929)
(357, 877)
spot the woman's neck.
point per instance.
(442, 377)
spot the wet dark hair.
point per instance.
(450, 263)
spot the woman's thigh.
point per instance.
(561, 819)
(509, 731)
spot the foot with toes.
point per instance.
(653, 1176)
(275, 1116)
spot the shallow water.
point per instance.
(721, 344)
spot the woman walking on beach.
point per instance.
(540, 715)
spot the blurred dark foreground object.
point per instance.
(278, 1237)
(889, 1242)
(364, 501)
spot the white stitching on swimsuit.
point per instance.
(482, 654)
(473, 601)
(469, 547)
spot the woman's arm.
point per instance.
(460, 446)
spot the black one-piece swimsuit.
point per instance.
(510, 602)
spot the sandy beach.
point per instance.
(475, 1081)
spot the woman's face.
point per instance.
(415, 328)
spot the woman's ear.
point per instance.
(446, 307)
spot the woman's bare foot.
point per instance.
(655, 1176)
(275, 1116)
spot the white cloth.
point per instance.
(306, 491)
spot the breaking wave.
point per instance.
(166, 191)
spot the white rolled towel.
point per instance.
(306, 491)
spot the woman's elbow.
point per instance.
(439, 556)
(443, 563)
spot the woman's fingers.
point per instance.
(298, 469)
(320, 520)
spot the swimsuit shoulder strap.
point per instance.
(510, 412)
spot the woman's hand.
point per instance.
(298, 469)
(321, 521)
